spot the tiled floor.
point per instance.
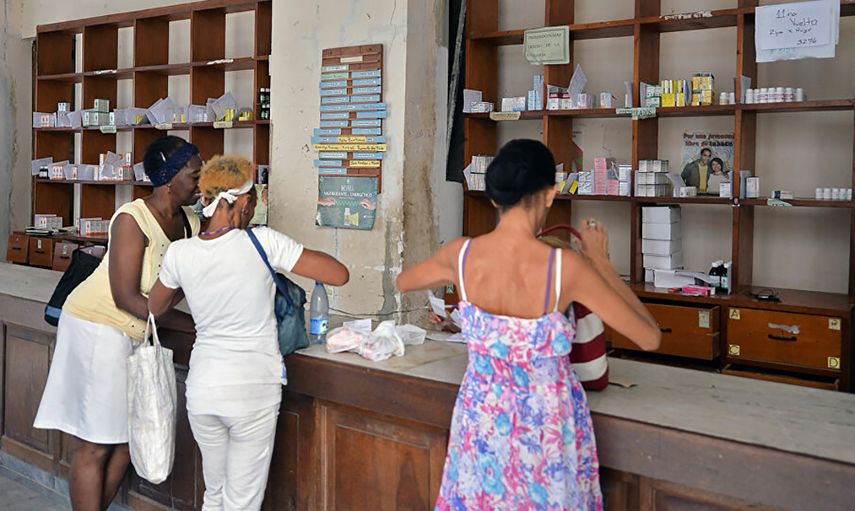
(20, 494)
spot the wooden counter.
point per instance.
(355, 434)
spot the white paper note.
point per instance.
(578, 81)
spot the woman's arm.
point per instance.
(439, 270)
(594, 283)
(162, 299)
(127, 245)
(321, 267)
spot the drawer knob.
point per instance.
(833, 363)
(783, 338)
(734, 350)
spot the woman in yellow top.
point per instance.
(86, 392)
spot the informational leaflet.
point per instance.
(346, 202)
(797, 30)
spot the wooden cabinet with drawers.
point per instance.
(792, 340)
(18, 248)
(41, 252)
(691, 332)
(62, 255)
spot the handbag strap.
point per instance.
(276, 280)
(151, 330)
(188, 232)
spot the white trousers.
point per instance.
(236, 453)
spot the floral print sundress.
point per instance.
(521, 435)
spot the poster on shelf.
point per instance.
(707, 160)
(797, 30)
(347, 202)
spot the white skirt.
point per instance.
(86, 391)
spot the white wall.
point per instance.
(805, 248)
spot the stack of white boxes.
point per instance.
(661, 239)
(652, 180)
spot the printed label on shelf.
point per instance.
(332, 69)
(334, 85)
(335, 76)
(220, 61)
(164, 126)
(349, 147)
(348, 139)
(351, 60)
(645, 112)
(108, 129)
(223, 124)
(106, 72)
(505, 116)
(364, 164)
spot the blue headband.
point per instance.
(172, 165)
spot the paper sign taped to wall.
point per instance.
(549, 45)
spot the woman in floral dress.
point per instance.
(521, 434)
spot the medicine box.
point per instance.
(660, 247)
(652, 178)
(669, 262)
(102, 105)
(653, 190)
(660, 214)
(665, 232)
(649, 275)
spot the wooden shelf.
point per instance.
(97, 183)
(801, 202)
(175, 127)
(685, 200)
(237, 64)
(600, 198)
(696, 111)
(671, 23)
(801, 106)
(792, 300)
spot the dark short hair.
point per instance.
(707, 149)
(521, 169)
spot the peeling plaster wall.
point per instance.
(15, 122)
(301, 31)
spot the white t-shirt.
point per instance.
(230, 293)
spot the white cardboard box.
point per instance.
(661, 231)
(661, 247)
(670, 262)
(660, 214)
(649, 276)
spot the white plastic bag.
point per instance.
(151, 407)
(383, 343)
(411, 334)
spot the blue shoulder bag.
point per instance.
(288, 307)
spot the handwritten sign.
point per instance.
(549, 45)
(795, 25)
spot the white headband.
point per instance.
(229, 195)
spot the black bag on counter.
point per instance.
(83, 264)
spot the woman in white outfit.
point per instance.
(233, 387)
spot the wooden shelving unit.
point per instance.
(480, 134)
(56, 77)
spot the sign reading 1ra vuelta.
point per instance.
(549, 45)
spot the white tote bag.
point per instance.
(151, 407)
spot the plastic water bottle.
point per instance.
(319, 315)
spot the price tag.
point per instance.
(505, 116)
(223, 124)
(108, 129)
(164, 126)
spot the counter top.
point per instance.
(789, 418)
(35, 284)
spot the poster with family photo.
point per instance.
(707, 160)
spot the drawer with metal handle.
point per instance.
(18, 248)
(783, 338)
(686, 331)
(41, 252)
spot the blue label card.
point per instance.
(332, 171)
(353, 108)
(365, 99)
(368, 90)
(366, 131)
(366, 123)
(334, 85)
(366, 74)
(333, 69)
(335, 124)
(335, 76)
(324, 140)
(371, 115)
(335, 100)
(328, 131)
(368, 83)
(336, 156)
(333, 92)
(329, 116)
(367, 156)
(328, 163)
